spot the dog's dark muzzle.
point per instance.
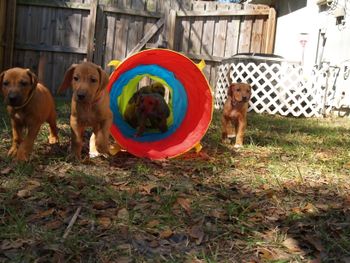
(245, 99)
(81, 95)
(14, 99)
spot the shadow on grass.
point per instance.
(203, 208)
(122, 218)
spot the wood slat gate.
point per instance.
(49, 36)
(215, 31)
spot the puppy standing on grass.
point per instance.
(29, 105)
(234, 117)
(90, 106)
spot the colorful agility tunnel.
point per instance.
(191, 103)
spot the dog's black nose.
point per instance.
(13, 98)
(81, 95)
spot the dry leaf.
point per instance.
(33, 184)
(26, 192)
(266, 254)
(322, 206)
(53, 224)
(197, 233)
(310, 208)
(218, 213)
(6, 244)
(166, 233)
(124, 260)
(154, 244)
(194, 260)
(153, 223)
(104, 222)
(272, 218)
(292, 244)
(296, 210)
(84, 222)
(6, 171)
(148, 188)
(123, 215)
(99, 205)
(41, 214)
(184, 203)
(23, 193)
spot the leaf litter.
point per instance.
(251, 205)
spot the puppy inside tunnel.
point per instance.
(190, 103)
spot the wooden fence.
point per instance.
(48, 36)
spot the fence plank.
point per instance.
(91, 32)
(132, 12)
(171, 28)
(10, 33)
(51, 48)
(245, 34)
(49, 3)
(257, 32)
(101, 36)
(220, 37)
(271, 28)
(2, 31)
(223, 13)
(113, 29)
(196, 32)
(208, 31)
(132, 34)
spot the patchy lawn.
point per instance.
(285, 197)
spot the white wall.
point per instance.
(310, 20)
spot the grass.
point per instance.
(284, 197)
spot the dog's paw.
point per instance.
(22, 156)
(97, 154)
(12, 152)
(231, 136)
(101, 149)
(238, 146)
(226, 141)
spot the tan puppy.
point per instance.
(29, 105)
(234, 117)
(90, 105)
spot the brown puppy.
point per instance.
(151, 108)
(130, 113)
(90, 105)
(29, 105)
(234, 117)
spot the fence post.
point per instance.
(2, 31)
(271, 28)
(91, 34)
(9, 33)
(171, 29)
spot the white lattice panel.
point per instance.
(280, 87)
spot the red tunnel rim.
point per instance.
(155, 150)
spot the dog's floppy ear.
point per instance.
(33, 78)
(67, 81)
(230, 90)
(104, 78)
